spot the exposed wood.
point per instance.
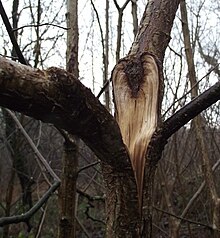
(136, 84)
(56, 96)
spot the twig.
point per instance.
(100, 26)
(43, 24)
(159, 228)
(39, 229)
(82, 227)
(183, 219)
(89, 197)
(88, 216)
(189, 111)
(198, 192)
(34, 148)
(91, 180)
(103, 88)
(26, 216)
(88, 166)
(188, 92)
(11, 34)
(123, 7)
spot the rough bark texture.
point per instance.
(56, 96)
(72, 37)
(138, 91)
(155, 26)
(67, 192)
(122, 213)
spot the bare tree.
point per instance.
(71, 145)
(130, 145)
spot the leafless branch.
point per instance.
(11, 34)
(26, 216)
(89, 197)
(38, 25)
(88, 166)
(183, 219)
(34, 148)
(191, 110)
(195, 85)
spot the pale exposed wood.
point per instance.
(137, 109)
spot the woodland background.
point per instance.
(181, 200)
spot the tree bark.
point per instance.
(67, 195)
(138, 90)
(56, 96)
(75, 105)
(67, 191)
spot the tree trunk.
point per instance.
(67, 196)
(16, 146)
(67, 192)
(137, 88)
(122, 214)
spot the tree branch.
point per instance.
(34, 148)
(56, 96)
(26, 216)
(183, 219)
(11, 34)
(191, 110)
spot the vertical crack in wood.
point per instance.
(135, 89)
